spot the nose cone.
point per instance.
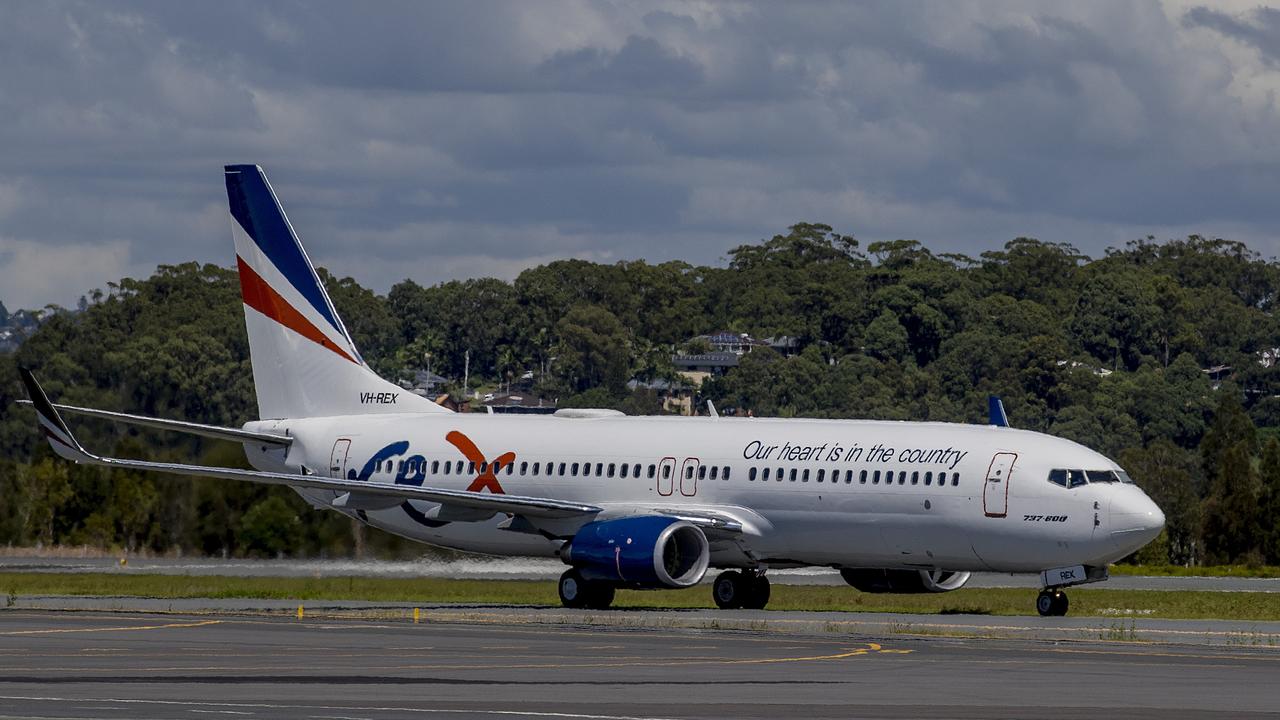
(1135, 519)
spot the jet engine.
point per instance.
(643, 552)
(871, 580)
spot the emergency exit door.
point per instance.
(995, 491)
(338, 458)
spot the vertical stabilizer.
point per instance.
(304, 362)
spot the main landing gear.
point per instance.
(1051, 603)
(577, 592)
(747, 589)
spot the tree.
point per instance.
(270, 528)
(885, 338)
(1269, 501)
(45, 487)
(1231, 523)
(593, 350)
(1165, 472)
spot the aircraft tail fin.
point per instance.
(304, 361)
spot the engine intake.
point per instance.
(872, 580)
(644, 552)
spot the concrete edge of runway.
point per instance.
(1065, 629)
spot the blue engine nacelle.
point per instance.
(645, 552)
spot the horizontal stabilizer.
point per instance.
(211, 431)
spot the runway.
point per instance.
(118, 665)
(484, 568)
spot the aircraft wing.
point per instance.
(212, 431)
(65, 445)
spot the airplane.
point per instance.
(641, 502)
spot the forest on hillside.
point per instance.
(1158, 354)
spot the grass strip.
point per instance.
(1239, 571)
(982, 601)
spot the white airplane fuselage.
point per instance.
(840, 493)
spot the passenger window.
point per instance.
(622, 470)
(804, 476)
(793, 474)
(688, 472)
(751, 475)
(666, 472)
(928, 478)
(1058, 477)
(875, 479)
(862, 477)
(611, 469)
(1075, 478)
(635, 471)
(652, 468)
(702, 472)
(535, 468)
(766, 474)
(902, 477)
(725, 475)
(955, 479)
(511, 467)
(821, 475)
(524, 468)
(714, 472)
(573, 469)
(915, 478)
(435, 467)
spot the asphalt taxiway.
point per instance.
(86, 664)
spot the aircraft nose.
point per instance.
(1135, 519)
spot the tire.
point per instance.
(599, 595)
(1060, 604)
(727, 590)
(1045, 604)
(758, 595)
(575, 592)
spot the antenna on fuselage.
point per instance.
(995, 412)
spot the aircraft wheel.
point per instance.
(727, 590)
(1045, 604)
(600, 595)
(574, 590)
(1060, 603)
(758, 596)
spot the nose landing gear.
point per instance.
(1051, 603)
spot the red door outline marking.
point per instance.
(998, 476)
(666, 483)
(691, 478)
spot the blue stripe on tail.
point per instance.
(254, 206)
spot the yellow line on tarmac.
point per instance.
(112, 629)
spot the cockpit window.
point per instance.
(1075, 478)
(1103, 476)
(1124, 477)
(1058, 477)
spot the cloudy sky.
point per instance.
(449, 140)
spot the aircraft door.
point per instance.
(689, 477)
(666, 476)
(338, 458)
(995, 491)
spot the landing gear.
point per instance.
(733, 589)
(1051, 603)
(578, 592)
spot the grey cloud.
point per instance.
(454, 137)
(1261, 31)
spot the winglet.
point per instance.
(60, 438)
(995, 411)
